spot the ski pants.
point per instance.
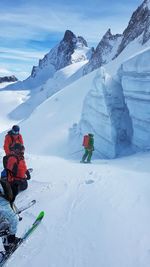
(88, 154)
(18, 186)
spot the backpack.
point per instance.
(12, 139)
(8, 193)
(5, 160)
(85, 141)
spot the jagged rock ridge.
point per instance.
(61, 55)
(104, 52)
(138, 24)
(11, 78)
(111, 46)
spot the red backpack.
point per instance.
(85, 141)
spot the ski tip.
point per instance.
(41, 215)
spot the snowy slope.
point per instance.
(95, 215)
(113, 49)
(8, 102)
(35, 97)
(133, 48)
(54, 117)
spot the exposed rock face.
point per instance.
(138, 24)
(61, 55)
(8, 79)
(104, 52)
(111, 46)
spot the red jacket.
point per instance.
(10, 141)
(16, 167)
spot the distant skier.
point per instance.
(13, 137)
(16, 169)
(8, 221)
(88, 143)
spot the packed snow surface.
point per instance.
(95, 214)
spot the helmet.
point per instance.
(15, 129)
(18, 148)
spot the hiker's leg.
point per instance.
(85, 155)
(90, 152)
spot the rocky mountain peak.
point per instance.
(138, 24)
(62, 55)
(108, 34)
(68, 36)
(104, 51)
(71, 38)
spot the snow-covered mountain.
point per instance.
(70, 50)
(139, 25)
(59, 68)
(73, 55)
(112, 46)
(73, 49)
(115, 109)
(104, 52)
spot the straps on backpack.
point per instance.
(13, 141)
(6, 157)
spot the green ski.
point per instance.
(24, 237)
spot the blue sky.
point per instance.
(30, 28)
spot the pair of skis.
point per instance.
(27, 234)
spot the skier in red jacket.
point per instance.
(88, 143)
(17, 172)
(13, 137)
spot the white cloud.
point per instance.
(35, 23)
(21, 54)
(4, 72)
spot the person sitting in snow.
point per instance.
(8, 222)
(88, 143)
(17, 172)
(13, 137)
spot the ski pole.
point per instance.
(16, 211)
(76, 152)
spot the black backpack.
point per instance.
(8, 193)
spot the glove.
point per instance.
(28, 175)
